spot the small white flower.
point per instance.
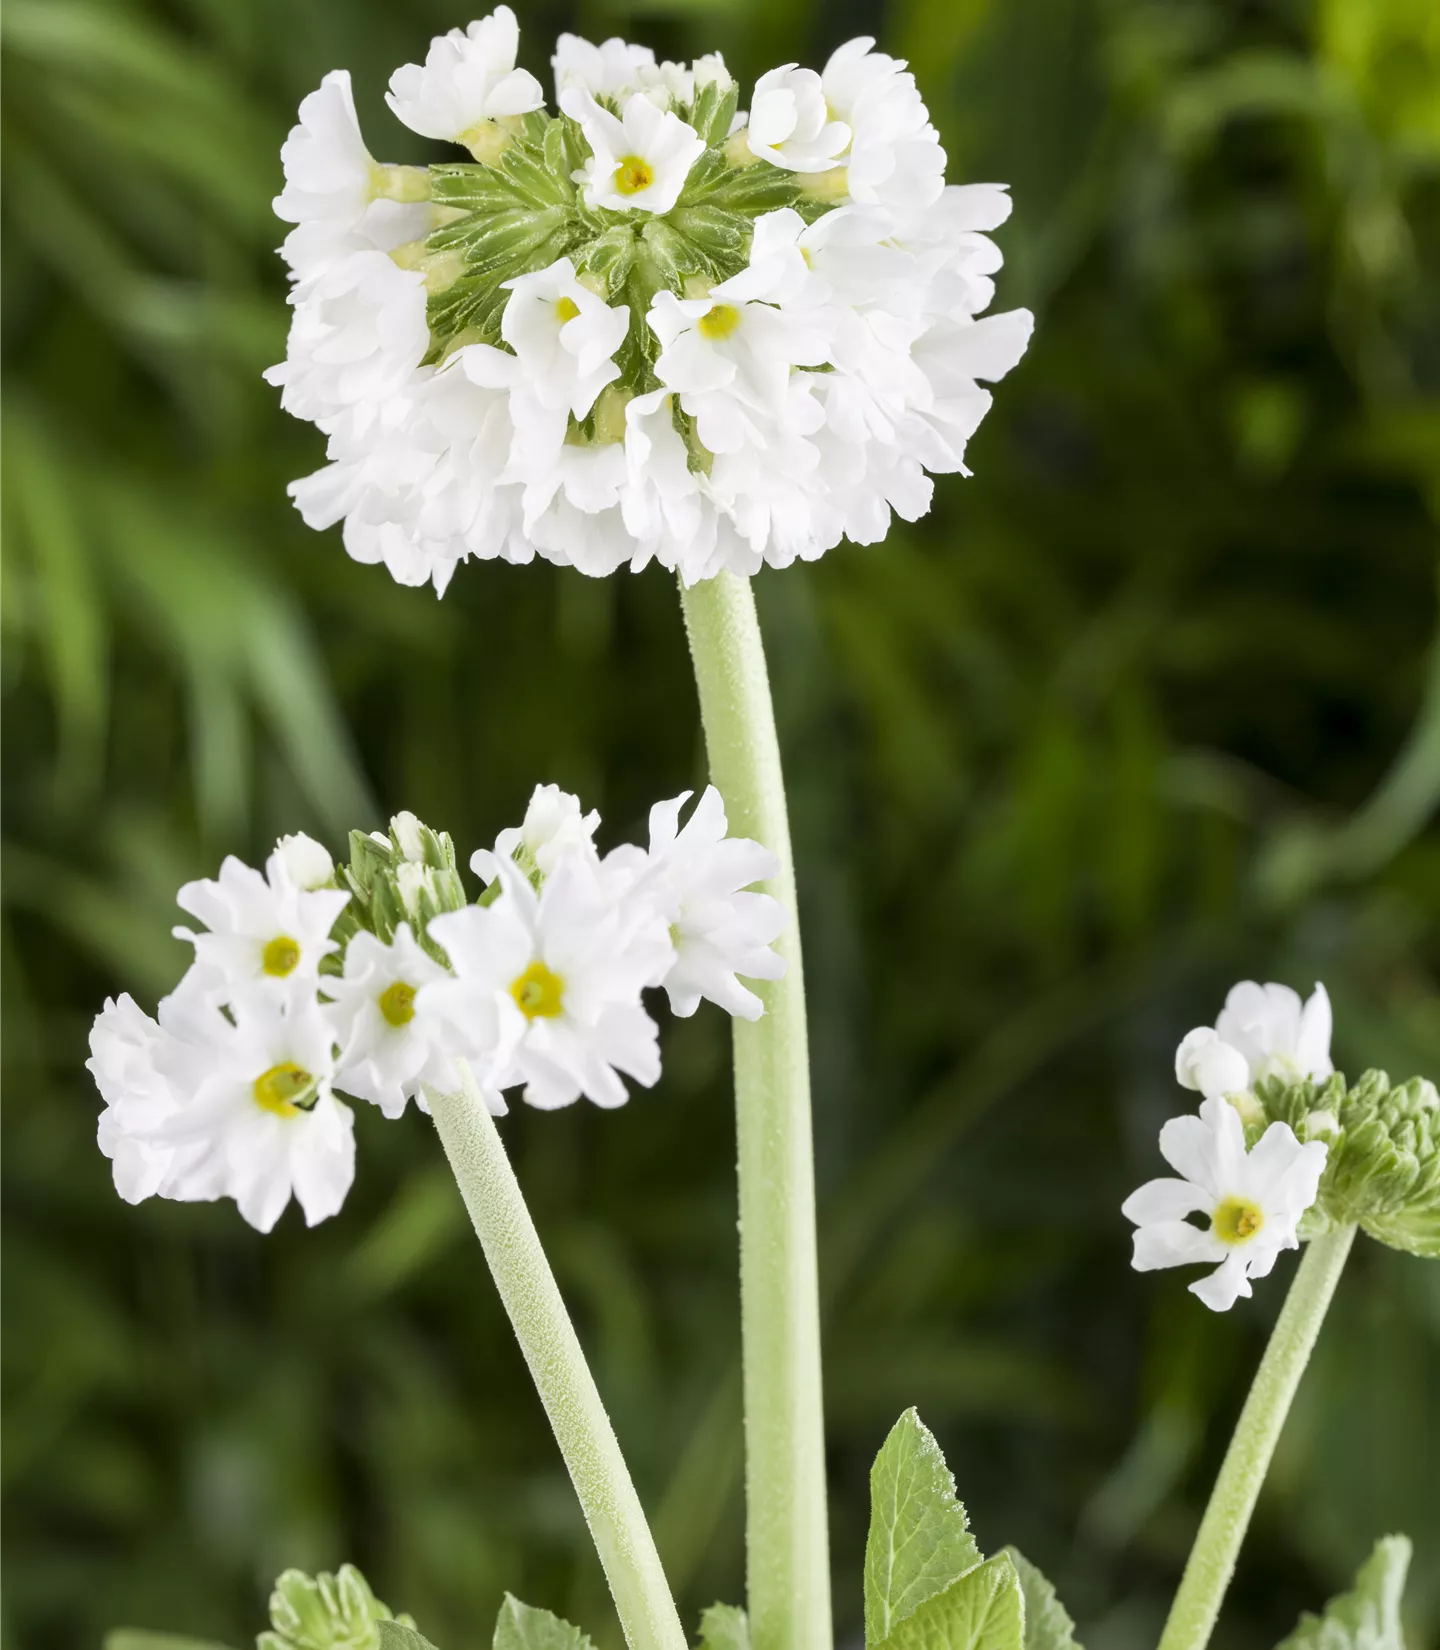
(1205, 1061)
(554, 828)
(355, 345)
(790, 123)
(1263, 1031)
(1253, 1200)
(308, 861)
(389, 1055)
(638, 162)
(468, 78)
(615, 69)
(551, 981)
(696, 876)
(264, 931)
(564, 336)
(895, 157)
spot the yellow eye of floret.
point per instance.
(632, 175)
(719, 322)
(397, 1003)
(281, 1088)
(1236, 1220)
(539, 992)
(280, 956)
(566, 309)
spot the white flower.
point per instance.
(551, 981)
(355, 345)
(308, 861)
(790, 123)
(331, 184)
(895, 157)
(388, 1055)
(469, 78)
(264, 931)
(695, 875)
(554, 828)
(638, 162)
(1253, 1201)
(615, 69)
(1263, 1031)
(564, 336)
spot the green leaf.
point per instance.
(724, 1627)
(1368, 1616)
(983, 1610)
(522, 1627)
(399, 1635)
(137, 1638)
(919, 1539)
(1047, 1623)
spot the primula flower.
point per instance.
(614, 69)
(553, 829)
(469, 78)
(638, 163)
(1253, 1201)
(791, 125)
(1263, 1031)
(564, 337)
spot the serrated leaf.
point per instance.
(983, 1610)
(396, 1635)
(1368, 1616)
(522, 1627)
(919, 1539)
(1047, 1622)
(724, 1627)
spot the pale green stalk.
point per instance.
(557, 1363)
(1212, 1559)
(786, 1540)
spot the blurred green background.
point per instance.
(1150, 704)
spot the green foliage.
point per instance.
(1047, 1624)
(521, 1627)
(724, 1627)
(329, 1612)
(133, 1638)
(983, 1610)
(1368, 1616)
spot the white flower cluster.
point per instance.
(646, 327)
(302, 987)
(1252, 1199)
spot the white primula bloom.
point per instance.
(355, 345)
(791, 124)
(615, 69)
(263, 931)
(564, 337)
(638, 162)
(554, 828)
(552, 981)
(895, 157)
(1263, 1031)
(331, 185)
(388, 1055)
(469, 77)
(697, 877)
(308, 861)
(1205, 1061)
(1253, 1201)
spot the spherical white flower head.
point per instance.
(469, 77)
(615, 69)
(638, 163)
(895, 158)
(697, 877)
(564, 337)
(356, 344)
(790, 122)
(264, 932)
(388, 1055)
(1253, 1200)
(308, 862)
(1277, 1034)
(551, 982)
(554, 829)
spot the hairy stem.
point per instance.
(567, 1389)
(1212, 1559)
(786, 1540)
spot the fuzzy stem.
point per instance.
(786, 1540)
(1212, 1559)
(557, 1363)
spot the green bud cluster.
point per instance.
(325, 1612)
(1383, 1171)
(409, 875)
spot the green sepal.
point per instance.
(522, 1627)
(1047, 1622)
(983, 1610)
(724, 1627)
(712, 112)
(919, 1540)
(409, 876)
(325, 1612)
(609, 258)
(1368, 1616)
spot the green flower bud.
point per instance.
(410, 876)
(325, 1612)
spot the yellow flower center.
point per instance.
(1236, 1220)
(397, 1003)
(566, 309)
(280, 956)
(632, 175)
(281, 1089)
(719, 322)
(539, 992)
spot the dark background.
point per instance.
(1150, 704)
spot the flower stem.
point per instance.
(786, 1540)
(1212, 1559)
(557, 1363)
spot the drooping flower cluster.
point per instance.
(646, 326)
(375, 979)
(1253, 1199)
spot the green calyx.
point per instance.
(1383, 1170)
(325, 1612)
(409, 875)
